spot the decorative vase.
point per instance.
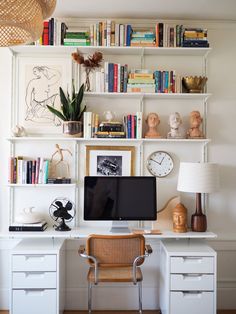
(87, 80)
(73, 128)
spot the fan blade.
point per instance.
(68, 206)
(67, 216)
(57, 213)
(59, 203)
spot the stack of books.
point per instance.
(112, 129)
(78, 38)
(195, 37)
(145, 38)
(39, 226)
(141, 81)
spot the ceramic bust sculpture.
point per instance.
(180, 218)
(152, 123)
(195, 121)
(175, 122)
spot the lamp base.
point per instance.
(199, 223)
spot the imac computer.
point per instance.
(120, 199)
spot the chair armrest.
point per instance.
(82, 253)
(148, 249)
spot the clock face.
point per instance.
(160, 164)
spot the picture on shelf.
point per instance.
(110, 160)
(38, 86)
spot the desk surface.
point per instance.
(83, 232)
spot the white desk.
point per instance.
(189, 244)
(83, 232)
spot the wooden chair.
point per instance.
(115, 258)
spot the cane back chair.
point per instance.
(115, 258)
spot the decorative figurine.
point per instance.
(18, 131)
(152, 122)
(59, 151)
(195, 120)
(175, 122)
(179, 218)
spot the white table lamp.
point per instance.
(196, 177)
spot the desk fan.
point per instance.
(62, 209)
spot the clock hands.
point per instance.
(159, 163)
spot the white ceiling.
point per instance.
(156, 9)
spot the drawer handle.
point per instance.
(192, 259)
(190, 294)
(195, 277)
(34, 274)
(34, 292)
(35, 257)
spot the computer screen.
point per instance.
(120, 198)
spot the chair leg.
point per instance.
(140, 296)
(90, 297)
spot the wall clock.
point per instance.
(160, 164)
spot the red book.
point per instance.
(45, 33)
(115, 87)
(132, 126)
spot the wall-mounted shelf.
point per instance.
(179, 51)
(81, 139)
(166, 96)
(42, 185)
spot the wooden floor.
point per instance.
(128, 312)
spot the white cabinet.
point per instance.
(38, 277)
(187, 277)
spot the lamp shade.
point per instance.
(21, 21)
(198, 177)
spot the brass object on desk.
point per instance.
(194, 84)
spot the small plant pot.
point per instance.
(73, 128)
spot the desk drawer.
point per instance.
(192, 264)
(34, 301)
(192, 282)
(34, 280)
(192, 302)
(34, 262)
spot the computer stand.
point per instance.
(120, 227)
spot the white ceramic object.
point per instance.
(27, 216)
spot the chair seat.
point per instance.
(115, 274)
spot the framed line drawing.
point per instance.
(110, 160)
(39, 79)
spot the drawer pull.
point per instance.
(35, 257)
(191, 294)
(192, 259)
(34, 292)
(35, 274)
(195, 277)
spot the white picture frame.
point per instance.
(39, 79)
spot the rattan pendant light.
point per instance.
(21, 21)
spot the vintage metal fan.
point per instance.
(61, 210)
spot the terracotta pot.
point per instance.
(73, 128)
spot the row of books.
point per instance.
(167, 82)
(109, 33)
(133, 125)
(25, 171)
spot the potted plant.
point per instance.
(71, 111)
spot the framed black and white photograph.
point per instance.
(110, 160)
(39, 79)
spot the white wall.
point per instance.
(221, 212)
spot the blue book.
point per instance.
(110, 77)
(128, 35)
